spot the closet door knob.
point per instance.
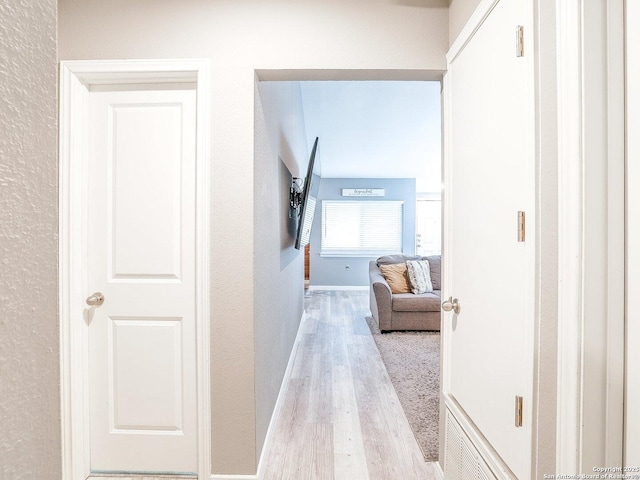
(451, 304)
(95, 300)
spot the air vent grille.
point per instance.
(462, 461)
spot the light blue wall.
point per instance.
(332, 270)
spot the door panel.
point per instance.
(151, 248)
(156, 371)
(632, 379)
(141, 256)
(490, 164)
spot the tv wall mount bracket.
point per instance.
(295, 192)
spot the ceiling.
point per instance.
(376, 129)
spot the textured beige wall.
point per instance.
(29, 366)
(459, 12)
(238, 38)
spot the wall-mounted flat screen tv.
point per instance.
(309, 197)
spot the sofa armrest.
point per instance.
(380, 298)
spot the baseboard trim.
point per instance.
(438, 469)
(262, 463)
(338, 287)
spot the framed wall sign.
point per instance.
(363, 192)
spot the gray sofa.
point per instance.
(404, 311)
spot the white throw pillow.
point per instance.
(419, 276)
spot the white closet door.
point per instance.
(491, 177)
(141, 256)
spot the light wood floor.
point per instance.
(341, 418)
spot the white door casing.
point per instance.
(632, 377)
(590, 73)
(489, 178)
(134, 225)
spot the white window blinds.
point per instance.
(361, 227)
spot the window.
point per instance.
(428, 227)
(361, 228)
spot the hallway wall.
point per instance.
(280, 147)
(240, 38)
(29, 347)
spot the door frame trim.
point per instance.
(590, 234)
(632, 113)
(76, 77)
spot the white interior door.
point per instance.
(140, 233)
(490, 174)
(632, 379)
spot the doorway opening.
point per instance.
(380, 151)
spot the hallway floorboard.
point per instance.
(341, 418)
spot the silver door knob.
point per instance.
(95, 300)
(451, 304)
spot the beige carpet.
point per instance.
(413, 363)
